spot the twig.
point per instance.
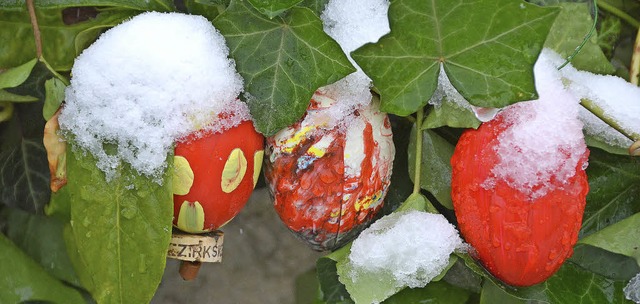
(634, 67)
(36, 29)
(599, 112)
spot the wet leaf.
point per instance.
(490, 65)
(273, 8)
(614, 183)
(27, 280)
(568, 32)
(620, 238)
(435, 174)
(40, 237)
(121, 229)
(282, 60)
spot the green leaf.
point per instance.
(273, 8)
(333, 291)
(462, 276)
(283, 61)
(54, 89)
(491, 293)
(121, 229)
(61, 43)
(450, 114)
(614, 183)
(599, 142)
(434, 292)
(435, 174)
(24, 169)
(210, 9)
(40, 237)
(488, 49)
(150, 5)
(568, 32)
(15, 76)
(572, 284)
(608, 34)
(317, 6)
(608, 264)
(621, 238)
(22, 279)
(415, 201)
(6, 96)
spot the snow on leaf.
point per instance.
(487, 48)
(282, 60)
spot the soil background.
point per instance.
(261, 261)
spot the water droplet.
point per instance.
(485, 114)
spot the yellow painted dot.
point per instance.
(182, 175)
(234, 170)
(257, 166)
(191, 217)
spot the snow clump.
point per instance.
(352, 24)
(632, 290)
(537, 164)
(146, 83)
(413, 247)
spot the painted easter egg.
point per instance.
(214, 175)
(329, 181)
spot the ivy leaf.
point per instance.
(452, 115)
(283, 61)
(608, 34)
(333, 291)
(434, 292)
(155, 5)
(614, 183)
(435, 174)
(273, 8)
(317, 6)
(608, 264)
(487, 48)
(25, 280)
(61, 43)
(210, 9)
(575, 19)
(40, 237)
(54, 89)
(621, 238)
(121, 229)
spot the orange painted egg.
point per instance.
(214, 175)
(328, 182)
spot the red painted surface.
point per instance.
(207, 156)
(315, 198)
(520, 241)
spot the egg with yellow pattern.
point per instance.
(214, 175)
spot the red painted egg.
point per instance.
(328, 182)
(214, 176)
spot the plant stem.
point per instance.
(586, 38)
(634, 67)
(36, 28)
(619, 13)
(599, 112)
(418, 164)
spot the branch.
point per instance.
(634, 67)
(36, 28)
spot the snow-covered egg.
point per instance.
(214, 175)
(329, 180)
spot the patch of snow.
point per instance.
(543, 143)
(632, 290)
(413, 246)
(145, 84)
(618, 99)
